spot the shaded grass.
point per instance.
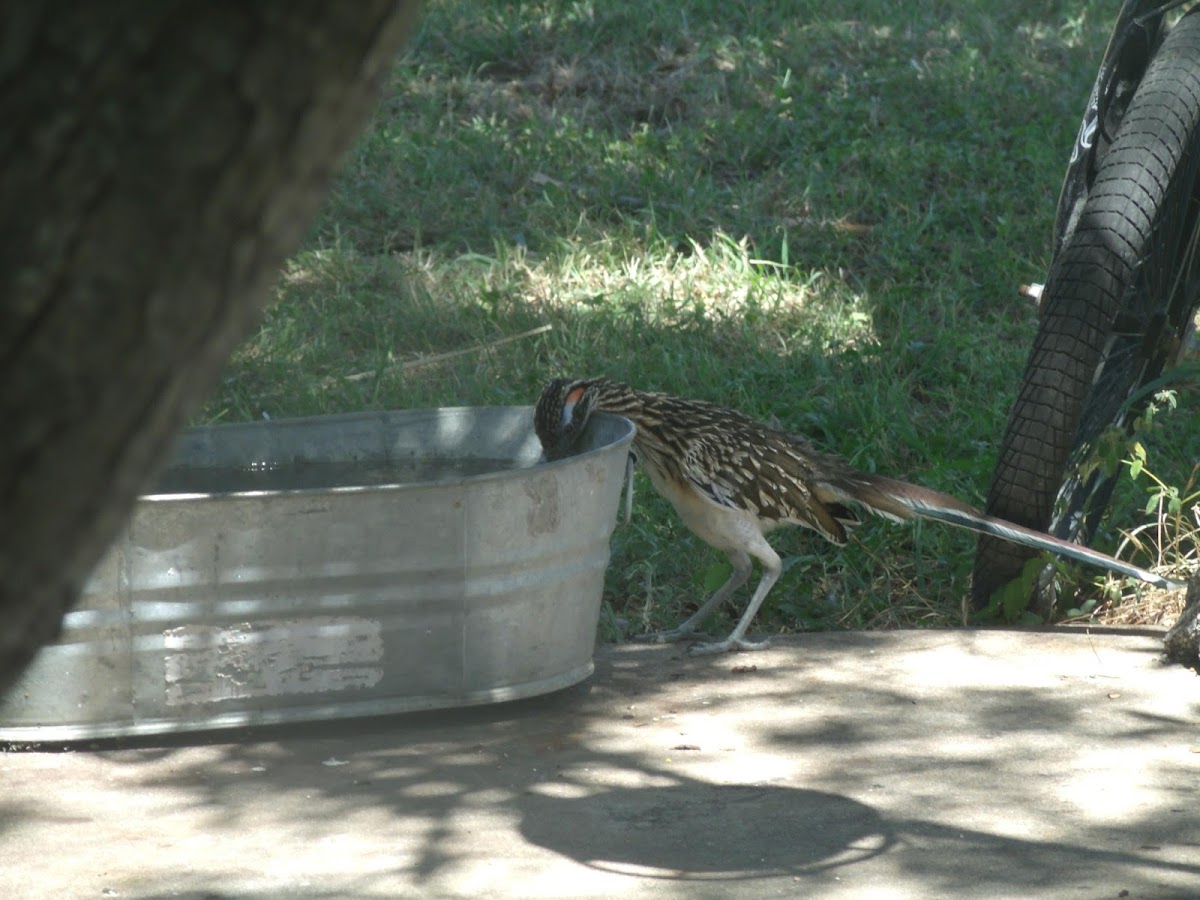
(809, 212)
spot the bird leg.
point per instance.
(629, 463)
(772, 569)
(739, 576)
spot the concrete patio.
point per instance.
(882, 765)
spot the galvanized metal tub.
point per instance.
(218, 609)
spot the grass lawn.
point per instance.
(819, 212)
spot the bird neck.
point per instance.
(660, 441)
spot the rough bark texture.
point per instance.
(158, 161)
(1182, 642)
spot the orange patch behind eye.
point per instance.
(574, 395)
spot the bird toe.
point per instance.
(726, 646)
(663, 637)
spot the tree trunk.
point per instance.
(158, 160)
(1182, 642)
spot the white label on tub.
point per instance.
(271, 658)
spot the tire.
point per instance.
(1113, 314)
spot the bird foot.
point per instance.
(727, 645)
(674, 636)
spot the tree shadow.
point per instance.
(679, 771)
(680, 831)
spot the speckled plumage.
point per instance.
(732, 480)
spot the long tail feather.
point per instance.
(901, 500)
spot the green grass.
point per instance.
(815, 211)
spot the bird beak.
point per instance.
(554, 450)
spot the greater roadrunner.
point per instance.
(732, 480)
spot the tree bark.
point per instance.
(158, 160)
(1182, 642)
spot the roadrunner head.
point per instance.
(565, 406)
(562, 414)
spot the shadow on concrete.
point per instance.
(683, 831)
(681, 771)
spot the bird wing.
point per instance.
(718, 484)
(741, 472)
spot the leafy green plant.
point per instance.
(1171, 537)
(1167, 541)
